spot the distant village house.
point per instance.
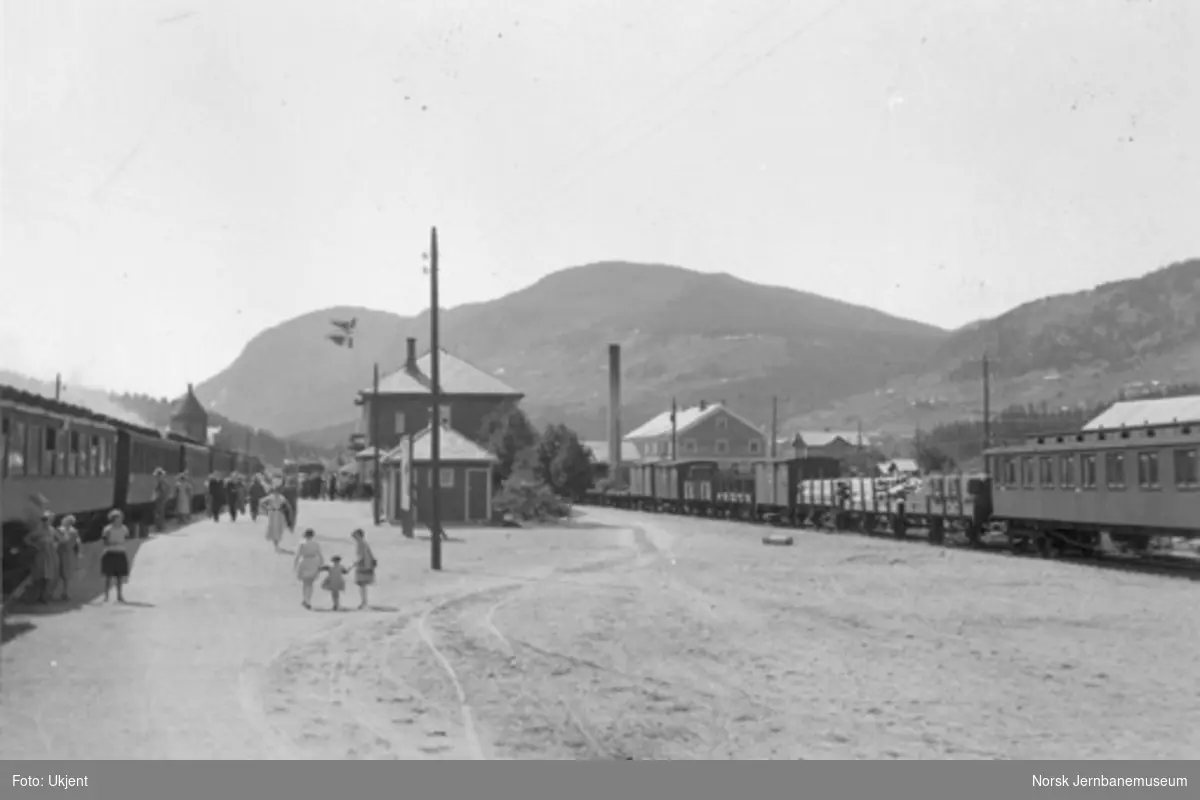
(706, 431)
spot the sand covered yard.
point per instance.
(657, 637)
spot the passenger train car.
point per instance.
(69, 459)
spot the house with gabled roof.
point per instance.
(468, 395)
(810, 444)
(464, 479)
(707, 430)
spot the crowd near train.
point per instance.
(67, 459)
(1133, 491)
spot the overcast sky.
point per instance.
(179, 175)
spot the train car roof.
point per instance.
(1172, 433)
(40, 402)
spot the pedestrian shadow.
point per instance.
(85, 587)
(384, 609)
(11, 630)
(446, 538)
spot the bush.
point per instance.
(526, 500)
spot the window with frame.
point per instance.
(755, 447)
(1148, 470)
(689, 445)
(15, 460)
(1114, 470)
(722, 446)
(33, 451)
(1010, 472)
(1066, 471)
(444, 415)
(94, 456)
(446, 478)
(1028, 476)
(1186, 474)
(73, 454)
(1087, 470)
(399, 421)
(1046, 472)
(722, 423)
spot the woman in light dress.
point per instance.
(44, 541)
(277, 508)
(364, 565)
(308, 565)
(183, 499)
(68, 554)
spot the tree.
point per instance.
(508, 434)
(930, 457)
(563, 462)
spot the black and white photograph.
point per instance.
(600, 380)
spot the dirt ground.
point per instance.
(657, 637)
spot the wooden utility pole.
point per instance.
(435, 434)
(375, 499)
(774, 424)
(674, 431)
(58, 387)
(987, 407)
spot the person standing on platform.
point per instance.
(333, 487)
(162, 491)
(183, 499)
(68, 555)
(114, 563)
(291, 493)
(364, 565)
(257, 492)
(216, 496)
(44, 541)
(231, 496)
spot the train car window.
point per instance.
(106, 456)
(1148, 470)
(16, 449)
(1046, 472)
(73, 455)
(1028, 476)
(1010, 472)
(1114, 470)
(1066, 471)
(33, 452)
(1087, 470)
(1185, 469)
(4, 428)
(94, 456)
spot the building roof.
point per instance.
(823, 438)
(457, 376)
(685, 419)
(629, 451)
(453, 446)
(1158, 411)
(189, 407)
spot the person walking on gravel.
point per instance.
(276, 508)
(308, 565)
(364, 565)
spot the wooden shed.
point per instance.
(465, 479)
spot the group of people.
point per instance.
(309, 563)
(57, 553)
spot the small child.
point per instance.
(335, 581)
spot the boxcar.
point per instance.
(733, 488)
(666, 486)
(641, 484)
(696, 480)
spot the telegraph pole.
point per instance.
(435, 434)
(987, 405)
(375, 500)
(674, 431)
(774, 423)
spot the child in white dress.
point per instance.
(335, 581)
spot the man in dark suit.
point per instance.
(216, 496)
